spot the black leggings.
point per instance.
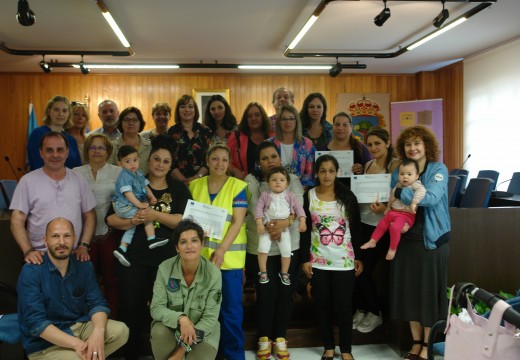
(332, 292)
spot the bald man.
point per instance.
(61, 310)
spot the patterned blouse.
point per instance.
(303, 160)
(190, 154)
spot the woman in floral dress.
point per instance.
(328, 253)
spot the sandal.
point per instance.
(324, 357)
(284, 278)
(348, 354)
(263, 278)
(412, 356)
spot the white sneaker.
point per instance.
(369, 323)
(357, 318)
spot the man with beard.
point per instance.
(61, 310)
(108, 114)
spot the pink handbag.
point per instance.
(485, 339)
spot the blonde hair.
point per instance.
(50, 104)
(87, 115)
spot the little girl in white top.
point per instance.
(275, 204)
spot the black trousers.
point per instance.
(365, 293)
(332, 292)
(273, 300)
(135, 292)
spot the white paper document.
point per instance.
(371, 188)
(211, 218)
(345, 160)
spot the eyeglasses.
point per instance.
(128, 121)
(98, 148)
(288, 119)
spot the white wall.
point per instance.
(492, 111)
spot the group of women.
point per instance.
(191, 160)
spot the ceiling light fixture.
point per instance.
(44, 66)
(84, 69)
(129, 66)
(110, 20)
(384, 15)
(25, 15)
(436, 33)
(336, 69)
(442, 17)
(284, 67)
(308, 25)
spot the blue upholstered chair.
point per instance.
(454, 191)
(490, 174)
(8, 187)
(514, 184)
(477, 193)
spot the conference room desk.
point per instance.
(504, 201)
(485, 248)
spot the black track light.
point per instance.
(442, 17)
(335, 70)
(384, 15)
(45, 66)
(84, 69)
(25, 16)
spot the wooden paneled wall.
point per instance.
(143, 90)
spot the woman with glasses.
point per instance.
(296, 151)
(102, 176)
(130, 124)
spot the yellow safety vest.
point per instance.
(235, 257)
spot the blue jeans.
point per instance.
(10, 329)
(126, 211)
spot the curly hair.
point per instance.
(384, 135)
(431, 145)
(228, 122)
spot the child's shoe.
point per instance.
(280, 349)
(285, 278)
(264, 349)
(156, 242)
(262, 277)
(121, 257)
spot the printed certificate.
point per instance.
(211, 218)
(345, 160)
(371, 188)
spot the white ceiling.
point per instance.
(251, 32)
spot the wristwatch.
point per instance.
(87, 245)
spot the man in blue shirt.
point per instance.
(62, 312)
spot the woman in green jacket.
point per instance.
(186, 301)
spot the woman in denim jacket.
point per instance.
(419, 271)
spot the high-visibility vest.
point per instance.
(235, 256)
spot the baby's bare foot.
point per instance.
(390, 254)
(405, 228)
(369, 244)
